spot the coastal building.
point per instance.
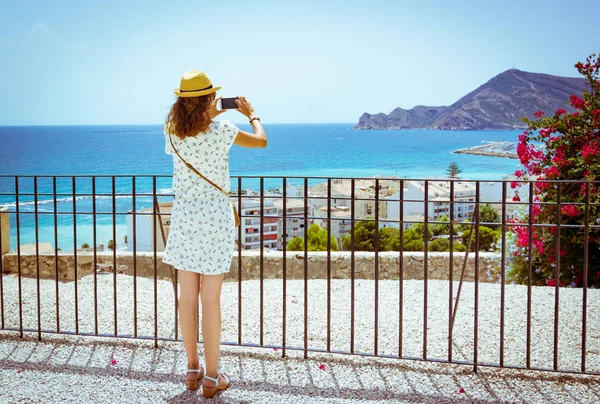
(251, 226)
(408, 221)
(437, 200)
(341, 223)
(294, 220)
(364, 195)
(145, 228)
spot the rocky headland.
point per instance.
(498, 104)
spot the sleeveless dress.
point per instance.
(202, 230)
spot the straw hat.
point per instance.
(195, 83)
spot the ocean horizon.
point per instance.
(294, 150)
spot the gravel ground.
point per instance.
(81, 369)
(569, 336)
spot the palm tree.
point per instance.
(111, 245)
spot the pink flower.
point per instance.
(552, 282)
(552, 172)
(114, 361)
(461, 390)
(322, 366)
(276, 349)
(538, 114)
(519, 173)
(589, 150)
(596, 114)
(560, 111)
(514, 184)
(577, 102)
(516, 198)
(570, 210)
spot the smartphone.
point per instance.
(229, 103)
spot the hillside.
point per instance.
(498, 104)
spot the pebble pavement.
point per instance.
(64, 368)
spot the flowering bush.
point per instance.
(563, 146)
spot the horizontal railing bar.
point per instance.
(317, 177)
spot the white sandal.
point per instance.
(195, 383)
(208, 392)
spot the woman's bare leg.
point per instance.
(188, 314)
(211, 321)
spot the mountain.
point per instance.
(498, 104)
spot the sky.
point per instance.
(117, 62)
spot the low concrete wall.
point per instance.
(340, 264)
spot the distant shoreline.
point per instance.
(496, 149)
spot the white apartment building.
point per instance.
(364, 196)
(294, 212)
(438, 200)
(341, 222)
(144, 226)
(250, 226)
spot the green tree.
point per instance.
(488, 214)
(412, 240)
(364, 238)
(487, 238)
(317, 240)
(439, 244)
(453, 170)
(125, 239)
(419, 228)
(441, 228)
(85, 245)
(443, 245)
(111, 245)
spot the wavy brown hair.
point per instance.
(190, 115)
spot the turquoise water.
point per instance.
(328, 150)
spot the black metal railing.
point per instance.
(39, 207)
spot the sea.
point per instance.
(294, 150)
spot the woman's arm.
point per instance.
(247, 139)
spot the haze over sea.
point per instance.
(328, 150)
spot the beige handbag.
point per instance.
(191, 167)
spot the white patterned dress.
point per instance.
(202, 230)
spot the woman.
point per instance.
(202, 229)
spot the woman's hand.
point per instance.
(213, 112)
(244, 107)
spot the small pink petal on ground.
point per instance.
(18, 371)
(462, 390)
(276, 349)
(322, 366)
(114, 361)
